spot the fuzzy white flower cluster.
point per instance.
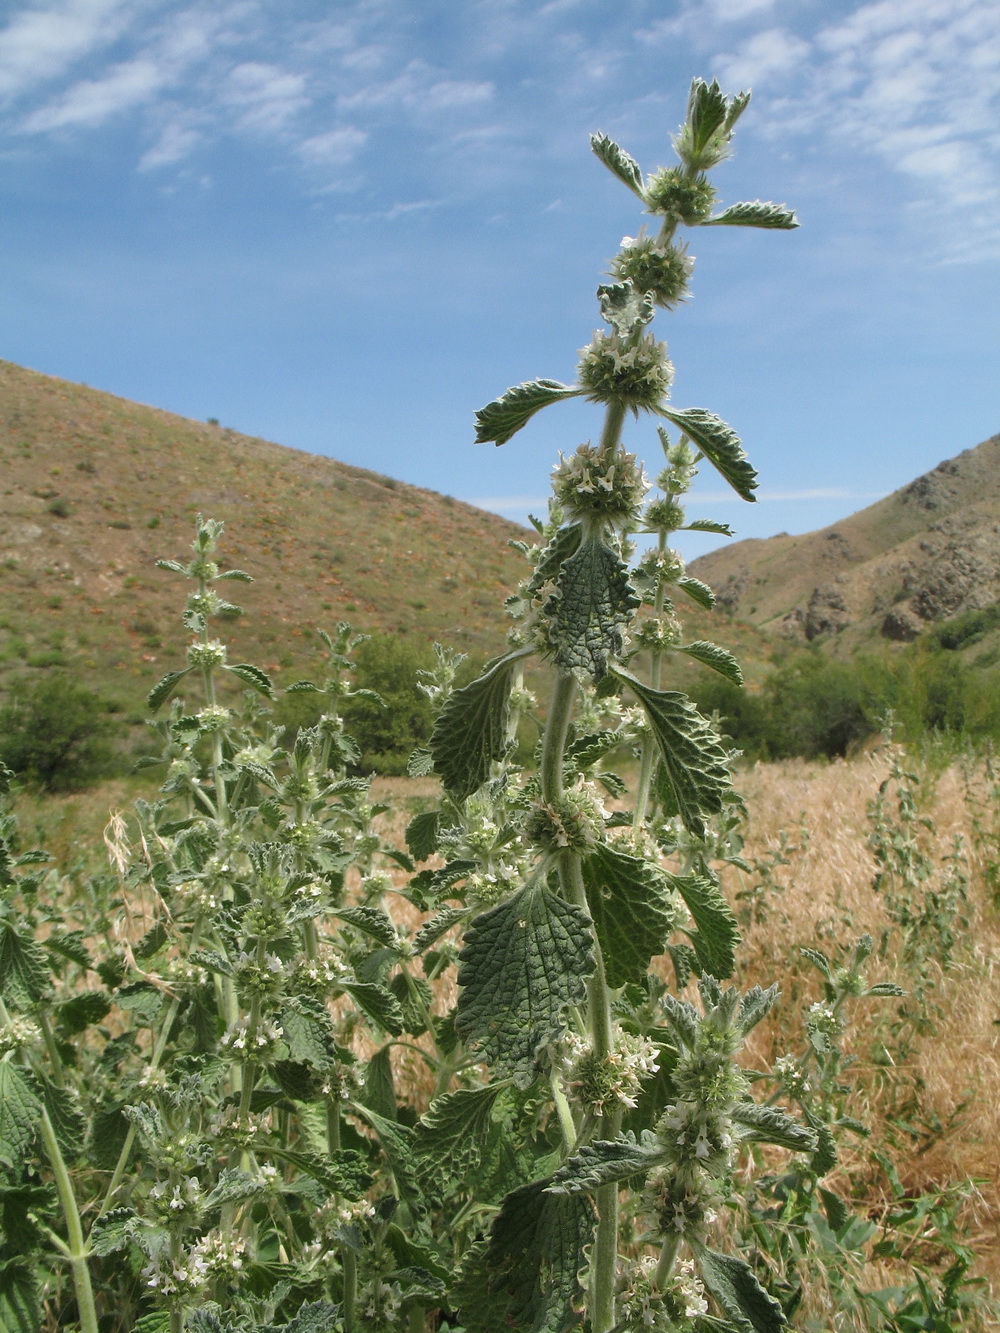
(597, 1083)
(17, 1033)
(255, 1043)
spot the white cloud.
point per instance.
(334, 147)
(41, 43)
(761, 58)
(175, 143)
(418, 88)
(266, 95)
(93, 101)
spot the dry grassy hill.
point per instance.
(95, 489)
(927, 552)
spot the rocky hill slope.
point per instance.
(927, 552)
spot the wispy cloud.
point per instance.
(42, 42)
(91, 102)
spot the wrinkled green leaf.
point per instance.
(523, 963)
(377, 1002)
(371, 922)
(607, 1161)
(437, 926)
(162, 691)
(308, 1031)
(471, 729)
(708, 525)
(733, 1285)
(717, 934)
(452, 1136)
(615, 158)
(397, 1143)
(113, 1231)
(768, 1124)
(20, 1299)
(590, 609)
(535, 1252)
(694, 760)
(755, 214)
(505, 416)
(253, 676)
(19, 1112)
(422, 834)
(378, 1093)
(719, 443)
(711, 655)
(24, 975)
(699, 592)
(565, 542)
(633, 909)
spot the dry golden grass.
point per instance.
(951, 1077)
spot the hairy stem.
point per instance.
(77, 1252)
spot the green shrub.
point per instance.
(57, 734)
(390, 731)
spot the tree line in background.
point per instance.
(58, 735)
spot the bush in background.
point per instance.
(56, 734)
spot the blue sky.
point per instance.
(344, 226)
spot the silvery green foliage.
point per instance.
(204, 1115)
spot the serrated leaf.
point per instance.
(148, 1122)
(174, 566)
(625, 308)
(157, 1322)
(397, 1143)
(630, 901)
(887, 988)
(719, 443)
(378, 1092)
(377, 1002)
(717, 934)
(66, 1117)
(24, 974)
(755, 1005)
(622, 164)
(699, 592)
(552, 558)
(711, 655)
(500, 420)
(302, 687)
(113, 1231)
(837, 1212)
(253, 676)
(415, 998)
(590, 609)
(371, 922)
(233, 1186)
(20, 1297)
(162, 691)
(19, 1110)
(708, 525)
(308, 1031)
(536, 1249)
(313, 1317)
(240, 575)
(422, 834)
(523, 963)
(607, 1161)
(343, 1172)
(694, 760)
(451, 1137)
(818, 960)
(768, 1124)
(471, 730)
(437, 926)
(69, 944)
(733, 1285)
(755, 214)
(420, 763)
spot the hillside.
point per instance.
(96, 489)
(929, 551)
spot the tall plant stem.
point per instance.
(655, 675)
(77, 1251)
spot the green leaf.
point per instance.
(377, 1002)
(149, 1124)
(711, 655)
(415, 998)
(157, 1322)
(471, 729)
(694, 760)
(313, 1317)
(719, 443)
(437, 926)
(240, 575)
(397, 1143)
(253, 676)
(161, 692)
(536, 1249)
(371, 922)
(308, 1031)
(523, 963)
(755, 1005)
(768, 1124)
(590, 609)
(233, 1186)
(174, 566)
(885, 988)
(624, 166)
(343, 1172)
(20, 1298)
(625, 308)
(378, 1093)
(717, 934)
(733, 1285)
(755, 214)
(708, 525)
(70, 944)
(607, 1161)
(24, 973)
(19, 1111)
(113, 1231)
(452, 1136)
(67, 1119)
(422, 834)
(554, 556)
(505, 416)
(632, 906)
(698, 592)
